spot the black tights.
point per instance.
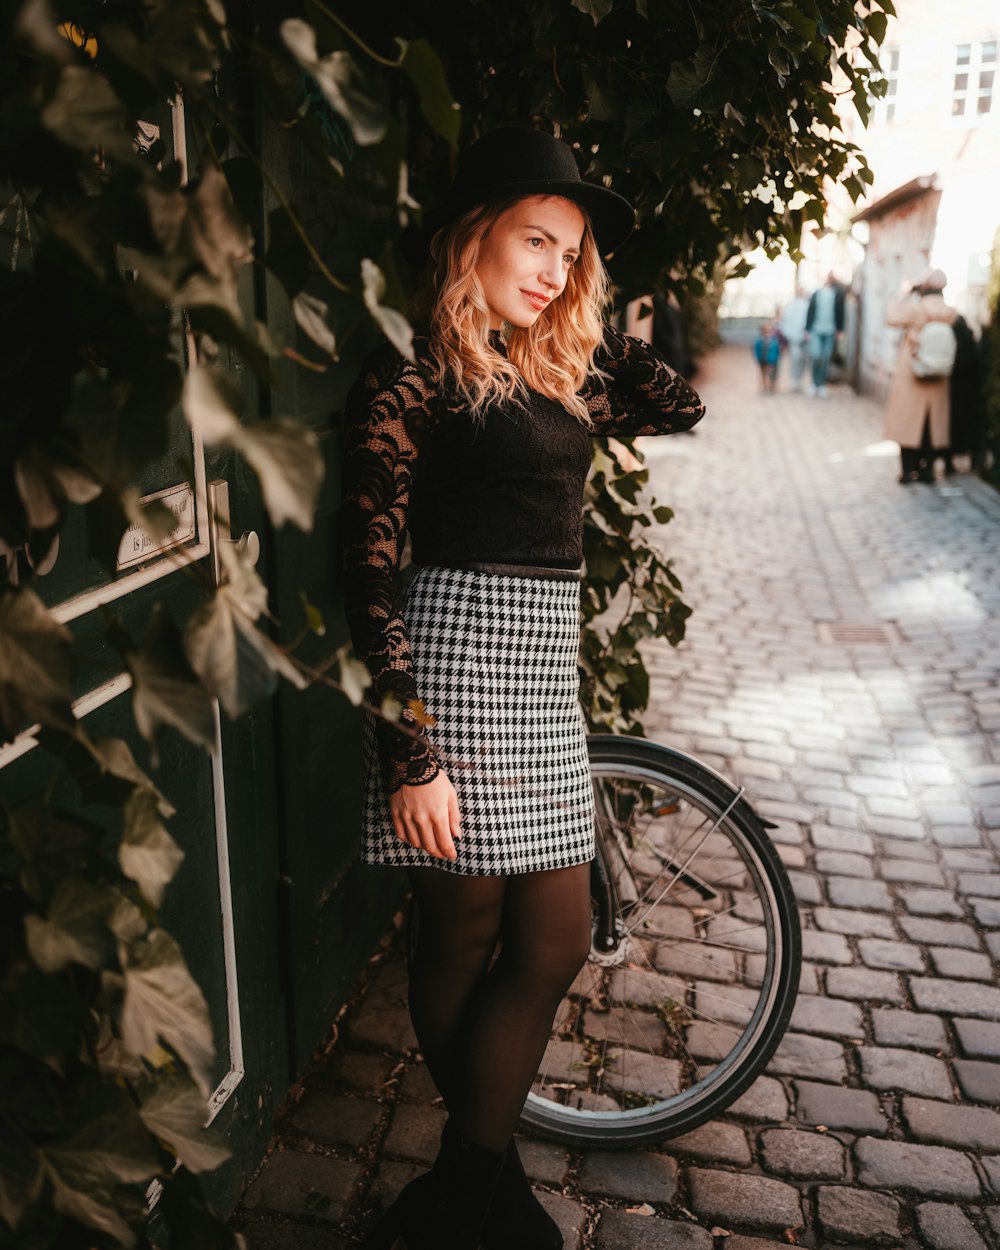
(482, 1029)
(918, 462)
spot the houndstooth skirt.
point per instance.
(494, 658)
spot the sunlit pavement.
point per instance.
(842, 663)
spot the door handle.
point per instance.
(248, 543)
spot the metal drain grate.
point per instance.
(842, 634)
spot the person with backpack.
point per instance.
(918, 415)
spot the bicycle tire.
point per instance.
(701, 862)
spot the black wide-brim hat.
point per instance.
(512, 162)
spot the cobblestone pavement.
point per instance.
(877, 1123)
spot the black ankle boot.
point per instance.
(446, 1208)
(411, 1207)
(516, 1217)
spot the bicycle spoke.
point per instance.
(713, 828)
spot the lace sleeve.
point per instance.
(641, 393)
(387, 413)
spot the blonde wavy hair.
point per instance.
(554, 356)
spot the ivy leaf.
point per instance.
(212, 405)
(392, 323)
(235, 660)
(36, 664)
(596, 9)
(422, 65)
(163, 1002)
(20, 1174)
(340, 80)
(52, 843)
(147, 853)
(75, 930)
(688, 78)
(391, 708)
(112, 1057)
(804, 27)
(353, 676)
(175, 1111)
(165, 689)
(222, 650)
(750, 171)
(877, 23)
(310, 316)
(204, 244)
(104, 769)
(37, 23)
(48, 1017)
(603, 104)
(39, 506)
(284, 454)
(862, 102)
(76, 483)
(111, 1148)
(179, 43)
(86, 113)
(779, 62)
(126, 921)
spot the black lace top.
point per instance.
(507, 489)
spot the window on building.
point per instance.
(885, 106)
(974, 79)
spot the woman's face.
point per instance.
(526, 257)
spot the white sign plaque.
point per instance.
(137, 546)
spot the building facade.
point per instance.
(933, 143)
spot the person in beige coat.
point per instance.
(918, 416)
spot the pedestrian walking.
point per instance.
(479, 447)
(918, 414)
(767, 353)
(825, 320)
(792, 328)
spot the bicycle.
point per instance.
(695, 960)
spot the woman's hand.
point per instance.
(427, 816)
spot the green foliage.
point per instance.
(718, 121)
(105, 1041)
(630, 593)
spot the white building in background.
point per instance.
(933, 144)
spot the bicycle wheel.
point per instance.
(695, 966)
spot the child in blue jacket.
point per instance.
(767, 350)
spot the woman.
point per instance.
(918, 415)
(480, 449)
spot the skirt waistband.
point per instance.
(538, 572)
